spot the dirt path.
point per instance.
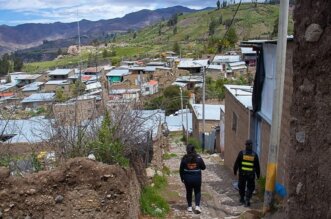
(219, 198)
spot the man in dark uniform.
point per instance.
(248, 164)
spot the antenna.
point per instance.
(80, 62)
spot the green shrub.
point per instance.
(152, 203)
(160, 182)
(168, 156)
(196, 143)
(107, 149)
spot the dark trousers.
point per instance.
(246, 179)
(193, 183)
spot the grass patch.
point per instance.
(261, 185)
(151, 201)
(166, 170)
(168, 156)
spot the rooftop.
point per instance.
(25, 76)
(153, 82)
(4, 87)
(247, 50)
(212, 112)
(33, 130)
(242, 93)
(174, 123)
(93, 86)
(118, 72)
(39, 97)
(193, 63)
(32, 87)
(226, 58)
(60, 72)
(57, 82)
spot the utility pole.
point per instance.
(181, 104)
(277, 106)
(203, 106)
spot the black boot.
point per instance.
(247, 203)
(242, 201)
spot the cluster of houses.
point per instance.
(227, 125)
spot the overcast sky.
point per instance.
(14, 12)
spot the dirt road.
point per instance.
(219, 198)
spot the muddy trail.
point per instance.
(219, 198)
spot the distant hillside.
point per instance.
(192, 30)
(31, 35)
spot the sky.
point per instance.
(14, 12)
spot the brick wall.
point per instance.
(234, 139)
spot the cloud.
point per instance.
(46, 11)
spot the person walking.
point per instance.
(248, 164)
(190, 174)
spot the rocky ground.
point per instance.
(219, 198)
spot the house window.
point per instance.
(147, 89)
(234, 121)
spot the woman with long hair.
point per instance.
(190, 174)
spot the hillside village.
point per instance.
(104, 138)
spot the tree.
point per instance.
(176, 48)
(105, 53)
(212, 27)
(5, 64)
(218, 4)
(225, 3)
(60, 96)
(232, 36)
(220, 19)
(18, 64)
(134, 35)
(173, 20)
(59, 51)
(175, 30)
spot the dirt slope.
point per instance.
(80, 189)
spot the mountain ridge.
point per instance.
(33, 34)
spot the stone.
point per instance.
(0, 214)
(150, 173)
(313, 33)
(4, 173)
(27, 217)
(59, 199)
(31, 191)
(299, 187)
(108, 196)
(159, 173)
(300, 136)
(91, 157)
(158, 211)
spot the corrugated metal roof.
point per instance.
(92, 86)
(212, 112)
(63, 71)
(226, 59)
(4, 87)
(32, 87)
(33, 130)
(118, 72)
(247, 50)
(57, 82)
(242, 93)
(193, 63)
(174, 123)
(39, 97)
